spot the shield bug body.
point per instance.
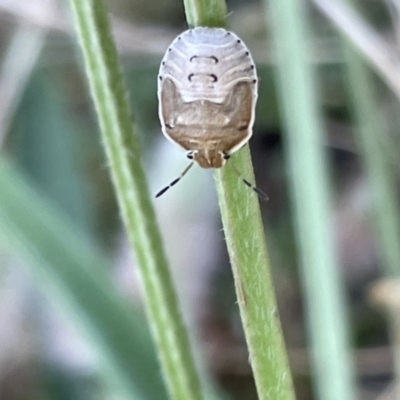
(207, 91)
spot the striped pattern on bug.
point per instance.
(207, 91)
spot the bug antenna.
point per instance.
(175, 181)
(250, 185)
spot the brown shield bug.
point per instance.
(207, 92)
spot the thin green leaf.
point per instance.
(124, 157)
(322, 282)
(378, 166)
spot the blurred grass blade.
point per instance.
(75, 279)
(374, 47)
(323, 285)
(51, 148)
(124, 157)
(381, 178)
(380, 174)
(16, 69)
(248, 254)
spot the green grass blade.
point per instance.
(249, 258)
(17, 66)
(124, 157)
(75, 278)
(253, 282)
(47, 143)
(210, 13)
(380, 174)
(323, 285)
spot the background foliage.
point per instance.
(70, 295)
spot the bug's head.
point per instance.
(209, 158)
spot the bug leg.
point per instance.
(256, 189)
(175, 181)
(250, 185)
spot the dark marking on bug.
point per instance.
(211, 57)
(214, 77)
(190, 77)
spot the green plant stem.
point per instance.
(248, 254)
(124, 157)
(323, 284)
(211, 13)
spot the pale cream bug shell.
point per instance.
(207, 91)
